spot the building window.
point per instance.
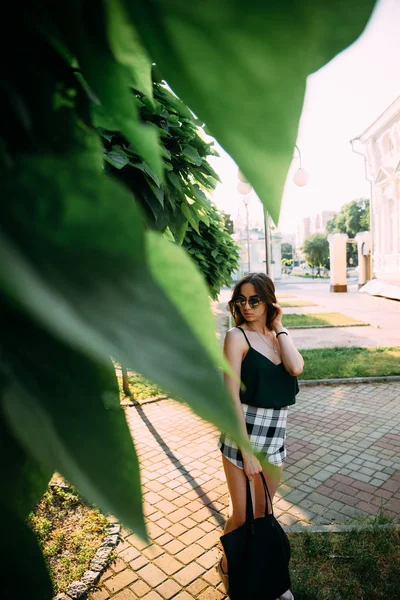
(387, 144)
(393, 226)
(389, 225)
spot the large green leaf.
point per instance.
(22, 564)
(242, 68)
(126, 47)
(84, 31)
(185, 286)
(76, 241)
(65, 411)
(23, 480)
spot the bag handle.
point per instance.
(249, 503)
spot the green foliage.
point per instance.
(327, 363)
(139, 388)
(353, 564)
(181, 198)
(79, 279)
(320, 319)
(179, 205)
(69, 532)
(352, 219)
(287, 251)
(214, 251)
(316, 250)
(242, 68)
(228, 222)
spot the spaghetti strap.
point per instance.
(242, 330)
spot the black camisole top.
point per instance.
(267, 385)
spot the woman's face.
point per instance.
(250, 304)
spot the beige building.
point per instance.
(314, 224)
(380, 146)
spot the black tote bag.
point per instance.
(258, 555)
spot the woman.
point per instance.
(264, 358)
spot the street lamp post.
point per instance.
(267, 235)
(301, 178)
(246, 201)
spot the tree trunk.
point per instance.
(125, 382)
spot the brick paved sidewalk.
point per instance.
(343, 462)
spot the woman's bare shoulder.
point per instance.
(234, 335)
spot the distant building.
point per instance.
(257, 250)
(380, 145)
(319, 221)
(303, 231)
(314, 224)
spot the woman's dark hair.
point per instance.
(265, 291)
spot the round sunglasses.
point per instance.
(253, 302)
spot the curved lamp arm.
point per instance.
(298, 150)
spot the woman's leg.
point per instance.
(236, 480)
(273, 475)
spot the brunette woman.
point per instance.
(263, 356)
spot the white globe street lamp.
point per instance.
(301, 177)
(244, 187)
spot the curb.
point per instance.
(328, 326)
(349, 380)
(337, 528)
(126, 403)
(302, 383)
(80, 588)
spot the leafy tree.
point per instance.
(181, 197)
(81, 276)
(228, 222)
(352, 219)
(287, 251)
(286, 262)
(316, 250)
(177, 206)
(214, 251)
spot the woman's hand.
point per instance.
(251, 465)
(276, 324)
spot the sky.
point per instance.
(342, 100)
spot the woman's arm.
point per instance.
(291, 357)
(234, 349)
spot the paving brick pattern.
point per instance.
(343, 462)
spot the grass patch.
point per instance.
(141, 388)
(279, 296)
(309, 276)
(356, 565)
(316, 320)
(329, 363)
(295, 303)
(69, 533)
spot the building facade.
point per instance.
(314, 224)
(380, 146)
(256, 244)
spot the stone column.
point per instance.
(276, 239)
(364, 257)
(337, 256)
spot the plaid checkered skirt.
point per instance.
(266, 428)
